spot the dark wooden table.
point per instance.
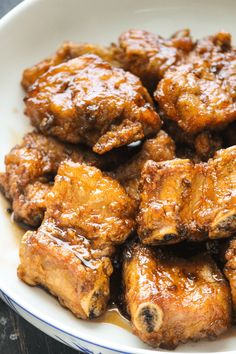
(16, 335)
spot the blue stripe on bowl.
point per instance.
(12, 303)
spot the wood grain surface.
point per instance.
(16, 335)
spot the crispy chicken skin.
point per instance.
(160, 148)
(67, 51)
(148, 55)
(230, 270)
(200, 93)
(87, 100)
(173, 300)
(181, 200)
(30, 170)
(87, 215)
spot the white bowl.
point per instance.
(30, 32)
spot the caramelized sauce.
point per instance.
(114, 317)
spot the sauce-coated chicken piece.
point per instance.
(87, 100)
(30, 170)
(160, 148)
(200, 93)
(196, 147)
(87, 215)
(181, 200)
(67, 51)
(148, 55)
(206, 144)
(230, 270)
(173, 300)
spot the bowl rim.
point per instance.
(123, 349)
(31, 310)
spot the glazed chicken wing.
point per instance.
(148, 55)
(230, 270)
(160, 148)
(181, 200)
(172, 300)
(67, 51)
(87, 100)
(30, 170)
(200, 94)
(87, 215)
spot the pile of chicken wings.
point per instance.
(132, 157)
